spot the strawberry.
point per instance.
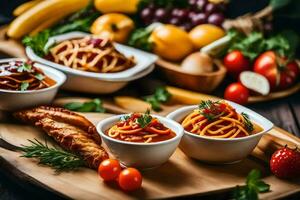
(285, 163)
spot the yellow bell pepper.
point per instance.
(115, 26)
(171, 42)
(122, 6)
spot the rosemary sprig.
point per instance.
(248, 124)
(57, 159)
(144, 119)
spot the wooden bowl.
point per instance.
(204, 82)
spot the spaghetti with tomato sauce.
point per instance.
(140, 128)
(220, 120)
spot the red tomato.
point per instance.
(236, 62)
(236, 92)
(109, 169)
(280, 74)
(130, 179)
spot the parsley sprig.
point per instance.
(210, 109)
(254, 185)
(95, 105)
(57, 159)
(248, 124)
(145, 119)
(161, 95)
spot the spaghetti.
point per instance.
(140, 128)
(90, 54)
(220, 120)
(21, 76)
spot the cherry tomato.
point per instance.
(109, 169)
(236, 92)
(236, 62)
(280, 73)
(130, 179)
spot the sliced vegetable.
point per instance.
(255, 82)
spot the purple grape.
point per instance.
(216, 19)
(201, 4)
(146, 15)
(210, 8)
(180, 13)
(161, 14)
(200, 18)
(175, 21)
(193, 2)
(192, 14)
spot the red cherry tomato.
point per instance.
(280, 74)
(109, 169)
(236, 62)
(236, 92)
(130, 179)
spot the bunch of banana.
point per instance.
(37, 15)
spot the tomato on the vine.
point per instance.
(130, 179)
(235, 63)
(236, 92)
(280, 73)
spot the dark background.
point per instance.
(285, 113)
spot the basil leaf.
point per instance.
(39, 76)
(90, 106)
(24, 86)
(262, 186)
(25, 67)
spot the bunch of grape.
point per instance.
(198, 12)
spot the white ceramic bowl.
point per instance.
(141, 155)
(14, 100)
(100, 83)
(220, 150)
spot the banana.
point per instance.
(24, 7)
(35, 16)
(46, 24)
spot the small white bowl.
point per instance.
(99, 83)
(141, 155)
(15, 100)
(220, 150)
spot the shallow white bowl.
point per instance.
(141, 155)
(220, 150)
(100, 83)
(14, 100)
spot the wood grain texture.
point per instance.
(188, 176)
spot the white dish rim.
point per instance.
(250, 112)
(101, 76)
(114, 119)
(62, 77)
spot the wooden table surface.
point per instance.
(284, 113)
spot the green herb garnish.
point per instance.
(39, 76)
(25, 67)
(57, 159)
(255, 43)
(254, 185)
(125, 118)
(24, 86)
(140, 39)
(248, 124)
(144, 119)
(161, 95)
(95, 105)
(211, 110)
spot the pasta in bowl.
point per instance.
(92, 64)
(140, 140)
(219, 132)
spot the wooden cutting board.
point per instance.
(180, 176)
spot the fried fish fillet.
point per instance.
(72, 131)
